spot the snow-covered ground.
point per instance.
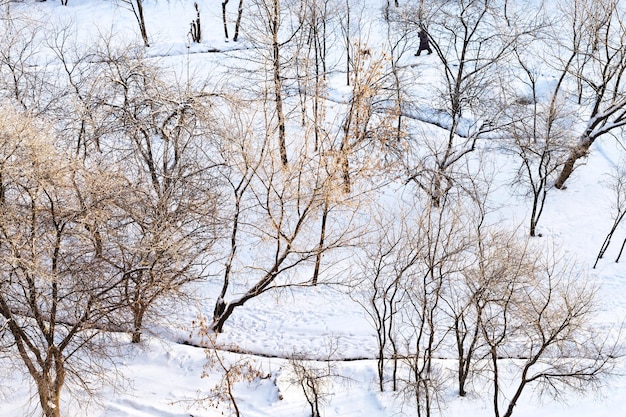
(162, 377)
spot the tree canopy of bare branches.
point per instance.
(57, 290)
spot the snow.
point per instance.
(163, 376)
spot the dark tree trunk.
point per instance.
(318, 256)
(142, 23)
(238, 22)
(223, 311)
(224, 3)
(219, 318)
(578, 152)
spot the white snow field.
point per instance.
(324, 329)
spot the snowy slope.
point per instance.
(163, 376)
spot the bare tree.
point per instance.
(596, 42)
(492, 255)
(79, 84)
(382, 285)
(284, 44)
(347, 25)
(151, 132)
(136, 6)
(444, 243)
(312, 63)
(398, 44)
(271, 35)
(367, 130)
(618, 186)
(315, 380)
(274, 209)
(57, 289)
(224, 21)
(195, 31)
(285, 232)
(237, 21)
(458, 31)
(420, 293)
(148, 132)
(282, 38)
(24, 79)
(539, 126)
(232, 372)
(168, 224)
(541, 315)
(15, 57)
(467, 265)
(160, 252)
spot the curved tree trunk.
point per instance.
(578, 152)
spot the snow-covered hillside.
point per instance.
(415, 161)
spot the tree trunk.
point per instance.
(461, 360)
(223, 310)
(49, 404)
(578, 152)
(381, 356)
(218, 316)
(278, 94)
(138, 322)
(221, 313)
(49, 383)
(318, 256)
(238, 22)
(345, 169)
(224, 3)
(496, 380)
(142, 23)
(348, 58)
(533, 218)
